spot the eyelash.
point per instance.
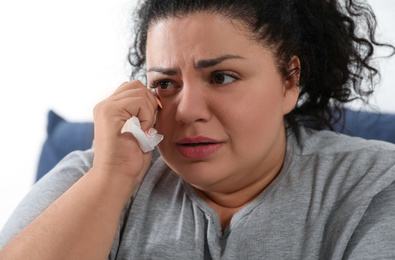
(155, 84)
(224, 73)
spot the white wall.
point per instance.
(61, 55)
(67, 56)
(385, 95)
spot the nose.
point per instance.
(193, 105)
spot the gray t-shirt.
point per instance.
(333, 199)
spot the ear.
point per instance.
(291, 85)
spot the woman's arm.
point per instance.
(82, 223)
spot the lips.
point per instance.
(198, 148)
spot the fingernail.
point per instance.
(148, 132)
(159, 103)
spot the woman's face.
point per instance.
(223, 101)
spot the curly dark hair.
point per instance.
(335, 42)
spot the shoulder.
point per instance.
(349, 170)
(340, 154)
(351, 183)
(346, 156)
(311, 141)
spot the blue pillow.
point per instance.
(63, 138)
(368, 125)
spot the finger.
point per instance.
(133, 102)
(137, 90)
(140, 107)
(153, 91)
(138, 85)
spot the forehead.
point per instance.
(200, 34)
(200, 22)
(197, 16)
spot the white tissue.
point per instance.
(146, 142)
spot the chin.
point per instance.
(202, 177)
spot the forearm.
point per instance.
(81, 224)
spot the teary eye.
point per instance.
(222, 78)
(162, 85)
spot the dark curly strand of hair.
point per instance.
(334, 41)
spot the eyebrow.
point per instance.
(169, 72)
(201, 64)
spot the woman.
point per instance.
(237, 177)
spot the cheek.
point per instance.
(259, 109)
(164, 121)
(164, 124)
(256, 123)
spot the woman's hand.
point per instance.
(116, 153)
(86, 216)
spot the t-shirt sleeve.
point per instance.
(45, 192)
(374, 237)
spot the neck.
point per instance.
(240, 197)
(234, 194)
(226, 204)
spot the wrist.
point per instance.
(115, 182)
